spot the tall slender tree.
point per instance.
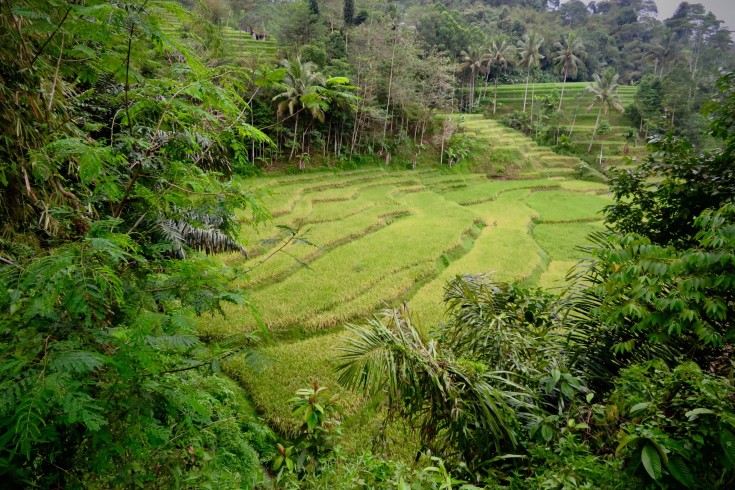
(566, 59)
(501, 54)
(530, 52)
(302, 85)
(605, 90)
(472, 60)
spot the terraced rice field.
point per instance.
(576, 101)
(378, 238)
(238, 46)
(499, 137)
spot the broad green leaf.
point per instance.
(651, 461)
(631, 438)
(679, 470)
(727, 440)
(693, 414)
(547, 433)
(639, 407)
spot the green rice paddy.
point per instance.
(378, 238)
(576, 101)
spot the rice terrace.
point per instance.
(379, 237)
(367, 244)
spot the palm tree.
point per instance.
(501, 53)
(567, 60)
(472, 60)
(605, 91)
(423, 378)
(660, 51)
(302, 85)
(529, 48)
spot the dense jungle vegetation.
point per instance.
(366, 244)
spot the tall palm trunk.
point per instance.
(533, 95)
(390, 87)
(483, 95)
(574, 119)
(561, 97)
(525, 94)
(295, 132)
(495, 96)
(472, 88)
(597, 124)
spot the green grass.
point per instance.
(561, 241)
(554, 206)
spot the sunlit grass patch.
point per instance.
(277, 371)
(554, 206)
(554, 277)
(561, 240)
(490, 189)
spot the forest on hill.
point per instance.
(366, 244)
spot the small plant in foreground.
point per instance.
(319, 431)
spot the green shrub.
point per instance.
(603, 127)
(679, 426)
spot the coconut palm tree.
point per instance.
(605, 90)
(472, 60)
(529, 48)
(302, 85)
(661, 51)
(566, 59)
(501, 54)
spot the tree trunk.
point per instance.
(525, 94)
(441, 154)
(484, 91)
(390, 85)
(295, 132)
(533, 94)
(561, 97)
(597, 123)
(495, 96)
(472, 89)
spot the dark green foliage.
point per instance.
(93, 339)
(518, 120)
(639, 300)
(468, 385)
(115, 150)
(646, 110)
(679, 424)
(348, 12)
(318, 435)
(314, 7)
(686, 182)
(664, 210)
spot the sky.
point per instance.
(723, 9)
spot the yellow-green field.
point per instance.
(380, 237)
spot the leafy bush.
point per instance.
(318, 434)
(681, 424)
(518, 120)
(105, 381)
(603, 127)
(638, 300)
(467, 386)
